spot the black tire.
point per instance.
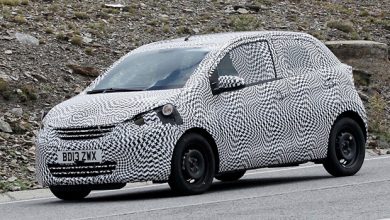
(346, 149)
(69, 193)
(231, 176)
(193, 165)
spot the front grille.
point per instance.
(83, 133)
(81, 170)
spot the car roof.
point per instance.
(216, 41)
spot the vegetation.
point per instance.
(377, 114)
(5, 90)
(345, 26)
(76, 40)
(245, 23)
(81, 15)
(14, 2)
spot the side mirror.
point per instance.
(228, 83)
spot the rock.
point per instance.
(39, 77)
(17, 112)
(363, 96)
(31, 168)
(254, 8)
(229, 10)
(84, 70)
(372, 144)
(187, 10)
(164, 16)
(114, 6)
(78, 90)
(358, 49)
(4, 76)
(26, 39)
(242, 11)
(5, 135)
(12, 179)
(383, 144)
(15, 188)
(19, 92)
(29, 76)
(5, 127)
(8, 52)
(87, 40)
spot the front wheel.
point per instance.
(193, 165)
(346, 148)
(69, 192)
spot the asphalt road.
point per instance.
(304, 192)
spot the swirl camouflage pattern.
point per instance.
(295, 89)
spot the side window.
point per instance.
(225, 67)
(297, 56)
(253, 62)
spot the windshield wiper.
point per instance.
(112, 90)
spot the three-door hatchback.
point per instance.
(187, 110)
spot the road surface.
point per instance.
(304, 192)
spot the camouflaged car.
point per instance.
(188, 110)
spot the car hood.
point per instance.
(104, 109)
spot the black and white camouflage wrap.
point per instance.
(285, 119)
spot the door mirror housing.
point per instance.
(229, 83)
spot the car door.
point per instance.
(249, 117)
(299, 63)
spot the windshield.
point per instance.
(157, 69)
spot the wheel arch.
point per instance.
(210, 139)
(355, 116)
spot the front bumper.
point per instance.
(141, 153)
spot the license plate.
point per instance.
(86, 156)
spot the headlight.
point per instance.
(164, 114)
(169, 114)
(167, 109)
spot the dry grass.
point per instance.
(14, 2)
(20, 19)
(377, 117)
(344, 26)
(76, 40)
(245, 23)
(81, 15)
(5, 90)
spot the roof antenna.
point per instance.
(187, 38)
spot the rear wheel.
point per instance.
(69, 192)
(346, 148)
(231, 176)
(193, 165)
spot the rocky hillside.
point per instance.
(51, 49)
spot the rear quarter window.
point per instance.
(299, 56)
